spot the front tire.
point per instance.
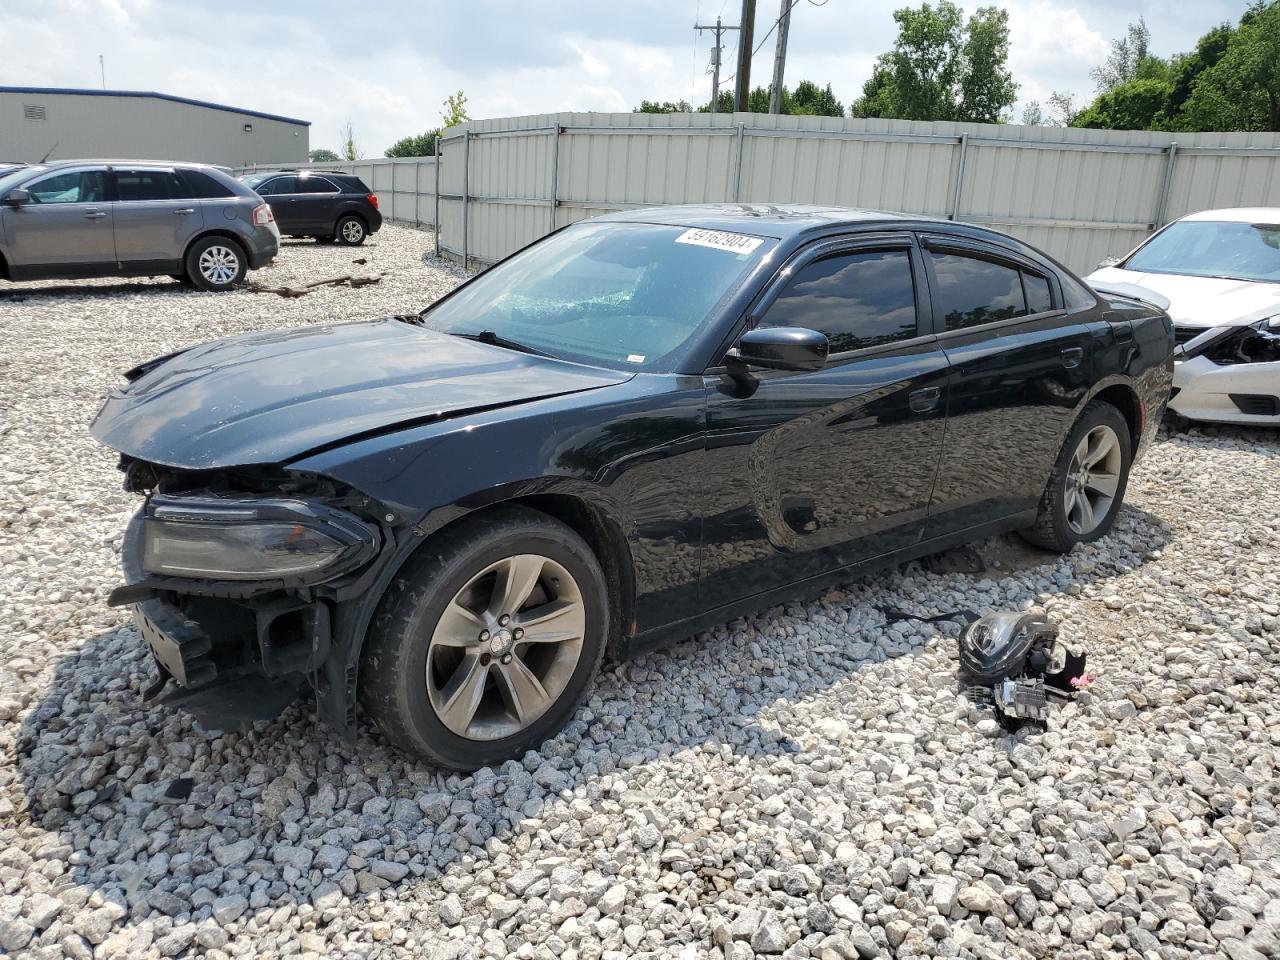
(487, 640)
(216, 264)
(350, 231)
(1086, 489)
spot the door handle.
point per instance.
(184, 211)
(1072, 356)
(924, 399)
(94, 215)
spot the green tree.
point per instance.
(423, 145)
(943, 67)
(350, 149)
(455, 109)
(663, 106)
(1127, 53)
(1135, 105)
(812, 100)
(323, 155)
(1241, 91)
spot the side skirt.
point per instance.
(682, 629)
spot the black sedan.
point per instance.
(637, 427)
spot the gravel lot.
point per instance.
(806, 783)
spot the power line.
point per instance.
(769, 33)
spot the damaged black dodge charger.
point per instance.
(637, 427)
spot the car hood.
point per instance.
(1204, 301)
(273, 397)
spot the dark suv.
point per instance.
(132, 218)
(320, 204)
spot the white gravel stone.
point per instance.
(808, 779)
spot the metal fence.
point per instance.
(1078, 194)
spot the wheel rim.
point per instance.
(219, 264)
(1093, 479)
(506, 647)
(352, 231)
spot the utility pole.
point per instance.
(780, 57)
(746, 37)
(718, 29)
(102, 68)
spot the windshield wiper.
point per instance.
(496, 340)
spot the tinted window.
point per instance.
(315, 185)
(137, 185)
(75, 187)
(857, 299)
(201, 186)
(1039, 299)
(972, 291)
(276, 186)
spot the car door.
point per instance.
(156, 217)
(65, 227)
(282, 194)
(318, 203)
(811, 471)
(1020, 365)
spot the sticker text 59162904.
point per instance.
(720, 240)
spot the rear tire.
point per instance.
(486, 642)
(1087, 486)
(216, 264)
(350, 231)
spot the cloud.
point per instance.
(388, 67)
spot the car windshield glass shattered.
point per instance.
(1211, 248)
(625, 295)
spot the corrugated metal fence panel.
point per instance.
(1080, 195)
(1205, 179)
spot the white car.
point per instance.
(1220, 272)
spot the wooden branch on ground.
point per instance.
(294, 292)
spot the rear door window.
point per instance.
(315, 185)
(859, 299)
(973, 290)
(134, 186)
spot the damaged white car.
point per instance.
(1220, 272)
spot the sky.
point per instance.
(387, 66)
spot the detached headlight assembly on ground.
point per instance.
(218, 538)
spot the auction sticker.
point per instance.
(720, 240)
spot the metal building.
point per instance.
(127, 124)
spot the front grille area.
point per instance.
(1182, 334)
(1256, 404)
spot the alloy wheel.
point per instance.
(352, 231)
(218, 264)
(1093, 479)
(506, 647)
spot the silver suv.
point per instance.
(129, 218)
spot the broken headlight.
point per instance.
(226, 538)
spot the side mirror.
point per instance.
(17, 197)
(782, 348)
(1107, 262)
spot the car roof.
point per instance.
(119, 162)
(779, 220)
(1238, 215)
(297, 173)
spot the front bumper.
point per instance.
(226, 659)
(1227, 393)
